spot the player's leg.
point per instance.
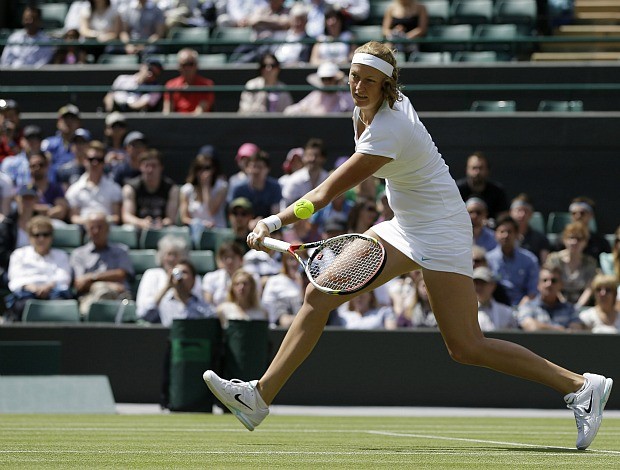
(454, 304)
(249, 401)
(310, 321)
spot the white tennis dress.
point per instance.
(430, 224)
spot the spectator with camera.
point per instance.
(177, 300)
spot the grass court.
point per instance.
(219, 442)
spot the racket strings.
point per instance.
(346, 264)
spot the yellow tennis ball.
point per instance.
(303, 208)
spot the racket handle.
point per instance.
(277, 245)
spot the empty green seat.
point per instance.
(475, 56)
(149, 238)
(67, 236)
(560, 106)
(37, 310)
(211, 239)
(112, 311)
(500, 106)
(471, 11)
(143, 260)
(203, 260)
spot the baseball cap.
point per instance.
(82, 134)
(69, 109)
(325, 70)
(484, 274)
(32, 131)
(27, 190)
(154, 61)
(134, 136)
(292, 153)
(207, 150)
(242, 202)
(247, 150)
(114, 118)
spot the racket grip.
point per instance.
(277, 245)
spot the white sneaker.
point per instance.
(240, 397)
(588, 404)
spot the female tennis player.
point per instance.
(431, 231)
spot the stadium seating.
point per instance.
(537, 222)
(471, 11)
(558, 220)
(228, 39)
(143, 260)
(150, 237)
(67, 236)
(118, 59)
(523, 12)
(112, 311)
(560, 106)
(438, 11)
(493, 106)
(203, 261)
(51, 311)
(53, 15)
(431, 57)
(126, 234)
(475, 56)
(365, 33)
(496, 37)
(212, 239)
(197, 38)
(450, 37)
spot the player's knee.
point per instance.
(466, 352)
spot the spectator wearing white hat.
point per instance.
(322, 100)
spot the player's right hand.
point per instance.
(255, 238)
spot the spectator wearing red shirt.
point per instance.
(188, 102)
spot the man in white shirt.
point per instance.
(94, 191)
(24, 46)
(491, 314)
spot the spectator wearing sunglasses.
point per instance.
(271, 101)
(548, 310)
(203, 196)
(94, 191)
(37, 271)
(195, 102)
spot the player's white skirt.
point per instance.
(439, 245)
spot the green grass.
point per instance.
(207, 441)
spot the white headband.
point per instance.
(373, 61)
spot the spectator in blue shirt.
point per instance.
(478, 213)
(515, 268)
(16, 166)
(547, 311)
(263, 190)
(25, 47)
(59, 145)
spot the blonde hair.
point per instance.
(40, 222)
(605, 280)
(391, 87)
(253, 292)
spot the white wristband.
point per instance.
(272, 222)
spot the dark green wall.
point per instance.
(374, 368)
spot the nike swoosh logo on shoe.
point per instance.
(588, 409)
(240, 401)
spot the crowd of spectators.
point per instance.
(523, 279)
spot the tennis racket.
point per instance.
(340, 265)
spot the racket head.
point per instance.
(345, 264)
